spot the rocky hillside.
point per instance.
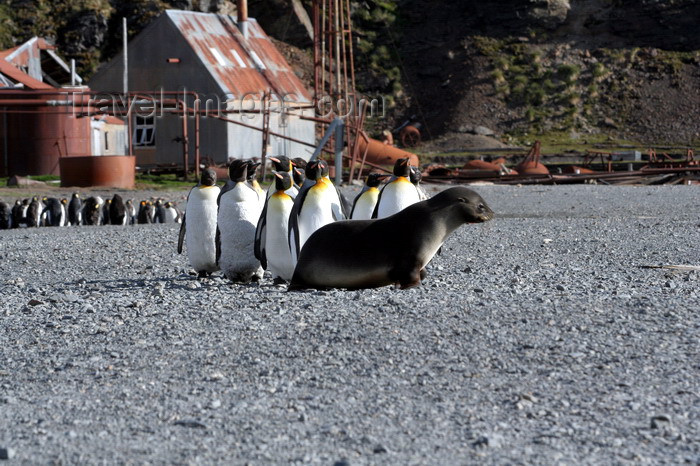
(587, 69)
(580, 69)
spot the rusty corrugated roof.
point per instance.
(240, 65)
(17, 75)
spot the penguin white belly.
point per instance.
(315, 213)
(364, 207)
(170, 215)
(239, 211)
(279, 257)
(64, 216)
(201, 228)
(336, 203)
(396, 196)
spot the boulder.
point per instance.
(549, 13)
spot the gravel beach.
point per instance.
(537, 338)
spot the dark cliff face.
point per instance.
(665, 24)
(669, 24)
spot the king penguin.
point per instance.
(54, 212)
(18, 215)
(117, 211)
(64, 207)
(271, 234)
(75, 210)
(239, 211)
(172, 214)
(282, 164)
(159, 215)
(130, 211)
(34, 212)
(398, 193)
(366, 201)
(145, 214)
(92, 210)
(415, 178)
(5, 216)
(298, 174)
(313, 208)
(253, 178)
(199, 225)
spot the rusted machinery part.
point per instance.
(410, 136)
(383, 154)
(531, 168)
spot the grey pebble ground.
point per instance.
(537, 338)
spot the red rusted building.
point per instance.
(39, 123)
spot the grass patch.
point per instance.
(169, 181)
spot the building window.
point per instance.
(106, 140)
(144, 131)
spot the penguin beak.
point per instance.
(274, 159)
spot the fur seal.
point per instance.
(373, 253)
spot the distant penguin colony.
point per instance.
(93, 210)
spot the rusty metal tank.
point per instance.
(38, 136)
(384, 154)
(113, 171)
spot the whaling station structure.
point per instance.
(190, 89)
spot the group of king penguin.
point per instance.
(93, 210)
(242, 230)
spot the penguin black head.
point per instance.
(402, 167)
(416, 175)
(168, 205)
(324, 168)
(281, 163)
(208, 177)
(314, 170)
(238, 170)
(282, 181)
(299, 163)
(75, 196)
(252, 170)
(299, 176)
(471, 207)
(64, 201)
(374, 179)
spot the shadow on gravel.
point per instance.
(182, 282)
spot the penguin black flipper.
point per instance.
(293, 225)
(217, 243)
(375, 214)
(260, 235)
(344, 205)
(181, 235)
